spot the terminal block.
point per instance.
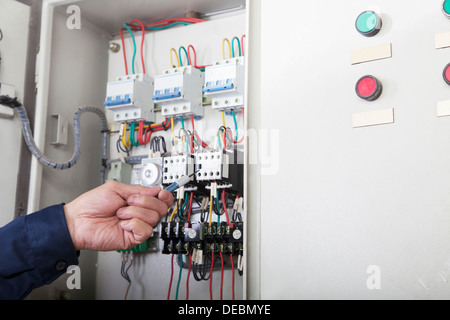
(177, 166)
(184, 237)
(179, 91)
(130, 98)
(225, 84)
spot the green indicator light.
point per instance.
(368, 23)
(446, 8)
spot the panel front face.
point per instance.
(354, 209)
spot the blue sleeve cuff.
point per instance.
(50, 242)
(36, 249)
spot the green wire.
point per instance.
(185, 202)
(182, 121)
(232, 46)
(134, 44)
(168, 26)
(217, 203)
(132, 140)
(179, 276)
(235, 124)
(187, 56)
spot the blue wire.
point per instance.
(134, 44)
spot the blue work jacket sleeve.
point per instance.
(35, 250)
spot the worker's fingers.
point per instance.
(148, 202)
(126, 190)
(166, 197)
(147, 215)
(140, 230)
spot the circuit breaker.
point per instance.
(179, 91)
(129, 98)
(224, 83)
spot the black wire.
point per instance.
(1, 35)
(120, 148)
(10, 102)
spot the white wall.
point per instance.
(14, 18)
(343, 199)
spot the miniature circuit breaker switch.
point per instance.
(130, 98)
(225, 83)
(179, 91)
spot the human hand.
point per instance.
(115, 216)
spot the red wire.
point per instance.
(142, 42)
(124, 53)
(225, 139)
(141, 132)
(242, 44)
(232, 274)
(171, 277)
(187, 280)
(191, 142)
(221, 277)
(211, 276)
(169, 21)
(192, 121)
(195, 55)
(195, 58)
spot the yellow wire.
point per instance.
(173, 132)
(223, 118)
(124, 136)
(223, 47)
(174, 211)
(210, 208)
(176, 55)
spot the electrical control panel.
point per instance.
(129, 98)
(224, 83)
(178, 91)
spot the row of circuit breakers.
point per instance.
(179, 91)
(369, 23)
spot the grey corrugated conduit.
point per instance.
(29, 140)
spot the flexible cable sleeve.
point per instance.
(29, 140)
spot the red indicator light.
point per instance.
(368, 88)
(446, 74)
